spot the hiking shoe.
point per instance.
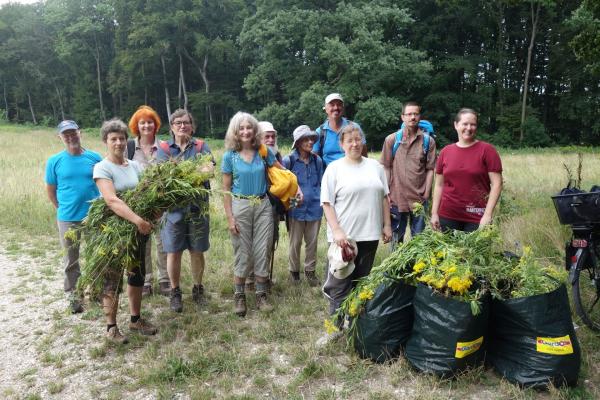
(249, 287)
(115, 336)
(147, 290)
(312, 279)
(176, 302)
(198, 296)
(262, 303)
(294, 278)
(239, 300)
(75, 304)
(164, 288)
(143, 327)
(328, 338)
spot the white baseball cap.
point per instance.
(333, 96)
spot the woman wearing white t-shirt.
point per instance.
(354, 196)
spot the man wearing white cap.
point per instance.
(328, 144)
(70, 188)
(304, 220)
(270, 137)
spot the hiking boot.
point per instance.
(176, 302)
(75, 304)
(239, 300)
(143, 327)
(164, 288)
(249, 287)
(262, 303)
(147, 291)
(198, 296)
(115, 336)
(294, 278)
(312, 279)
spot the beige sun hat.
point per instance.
(339, 268)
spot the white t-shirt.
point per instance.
(124, 177)
(356, 192)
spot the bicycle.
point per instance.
(581, 210)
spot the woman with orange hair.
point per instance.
(143, 148)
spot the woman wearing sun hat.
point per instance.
(304, 220)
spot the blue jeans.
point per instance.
(401, 219)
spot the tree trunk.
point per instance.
(535, 14)
(182, 82)
(203, 73)
(31, 108)
(5, 100)
(98, 77)
(62, 110)
(500, 51)
(145, 86)
(164, 71)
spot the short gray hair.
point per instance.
(114, 125)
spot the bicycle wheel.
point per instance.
(586, 291)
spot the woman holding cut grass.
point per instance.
(143, 148)
(247, 207)
(112, 175)
(468, 179)
(354, 196)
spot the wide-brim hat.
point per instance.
(301, 132)
(339, 268)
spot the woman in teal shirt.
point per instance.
(247, 206)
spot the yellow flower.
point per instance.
(420, 266)
(433, 261)
(439, 254)
(71, 235)
(101, 251)
(459, 285)
(366, 294)
(526, 251)
(330, 326)
(353, 309)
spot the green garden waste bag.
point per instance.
(386, 322)
(446, 337)
(533, 341)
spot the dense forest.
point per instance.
(531, 68)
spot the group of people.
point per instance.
(363, 199)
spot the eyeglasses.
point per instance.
(412, 114)
(181, 123)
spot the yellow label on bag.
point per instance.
(463, 349)
(559, 345)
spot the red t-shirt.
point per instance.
(466, 180)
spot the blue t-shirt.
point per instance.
(332, 150)
(75, 187)
(248, 177)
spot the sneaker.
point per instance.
(294, 278)
(328, 338)
(75, 304)
(115, 336)
(176, 302)
(262, 303)
(164, 288)
(143, 327)
(249, 287)
(312, 279)
(198, 296)
(147, 290)
(239, 300)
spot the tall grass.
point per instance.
(210, 353)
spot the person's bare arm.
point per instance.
(227, 182)
(494, 196)
(428, 182)
(119, 207)
(387, 220)
(51, 192)
(435, 206)
(339, 236)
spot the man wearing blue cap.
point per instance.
(70, 188)
(408, 157)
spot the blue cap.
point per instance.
(66, 125)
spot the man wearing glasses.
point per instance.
(408, 157)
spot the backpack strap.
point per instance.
(130, 148)
(399, 137)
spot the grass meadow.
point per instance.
(211, 353)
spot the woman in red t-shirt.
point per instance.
(468, 179)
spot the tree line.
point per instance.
(530, 67)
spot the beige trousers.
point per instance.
(309, 231)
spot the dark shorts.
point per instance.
(185, 230)
(113, 280)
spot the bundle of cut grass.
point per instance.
(111, 242)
